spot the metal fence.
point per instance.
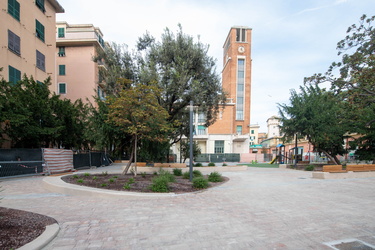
(14, 168)
(218, 158)
(88, 159)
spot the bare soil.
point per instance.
(18, 227)
(141, 183)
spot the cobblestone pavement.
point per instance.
(258, 208)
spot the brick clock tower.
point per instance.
(233, 122)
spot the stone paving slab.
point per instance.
(257, 208)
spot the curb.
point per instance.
(46, 237)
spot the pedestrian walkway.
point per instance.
(257, 208)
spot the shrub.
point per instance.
(126, 186)
(75, 176)
(115, 176)
(224, 164)
(309, 168)
(80, 180)
(167, 174)
(200, 182)
(105, 173)
(143, 174)
(86, 174)
(111, 180)
(215, 177)
(160, 184)
(186, 175)
(197, 173)
(211, 164)
(177, 172)
(131, 181)
(103, 184)
(198, 164)
(94, 178)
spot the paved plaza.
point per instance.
(258, 208)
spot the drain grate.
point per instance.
(350, 244)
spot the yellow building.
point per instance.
(77, 73)
(27, 39)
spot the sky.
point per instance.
(291, 39)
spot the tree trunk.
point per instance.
(332, 158)
(129, 163)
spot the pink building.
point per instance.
(77, 73)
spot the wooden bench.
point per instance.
(333, 169)
(361, 168)
(170, 165)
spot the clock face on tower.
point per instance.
(241, 49)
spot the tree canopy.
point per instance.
(353, 80)
(317, 115)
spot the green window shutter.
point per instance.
(61, 32)
(62, 88)
(61, 70)
(40, 4)
(39, 30)
(14, 9)
(61, 51)
(14, 75)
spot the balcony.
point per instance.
(240, 138)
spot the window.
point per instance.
(240, 35)
(101, 93)
(14, 9)
(201, 118)
(40, 61)
(62, 88)
(40, 4)
(61, 51)
(240, 89)
(219, 147)
(252, 131)
(39, 30)
(14, 43)
(201, 130)
(61, 32)
(239, 130)
(14, 75)
(61, 70)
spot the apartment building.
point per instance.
(27, 39)
(77, 73)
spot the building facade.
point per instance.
(231, 131)
(27, 39)
(77, 73)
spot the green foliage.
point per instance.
(318, 115)
(131, 181)
(115, 176)
(75, 176)
(309, 168)
(94, 178)
(177, 171)
(126, 186)
(198, 164)
(104, 185)
(143, 174)
(211, 164)
(185, 149)
(86, 174)
(167, 174)
(224, 164)
(352, 79)
(186, 175)
(215, 177)
(80, 180)
(197, 173)
(160, 184)
(104, 173)
(111, 180)
(200, 182)
(32, 117)
(254, 162)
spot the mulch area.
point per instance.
(18, 227)
(141, 183)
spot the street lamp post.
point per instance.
(191, 142)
